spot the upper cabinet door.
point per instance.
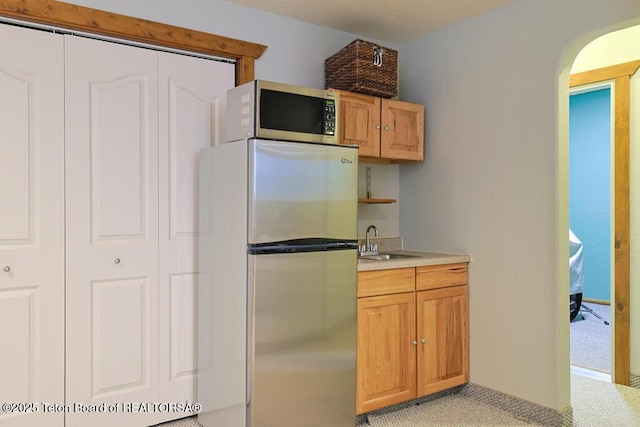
(192, 95)
(402, 130)
(31, 224)
(359, 122)
(382, 128)
(112, 229)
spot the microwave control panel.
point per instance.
(329, 117)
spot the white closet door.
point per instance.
(112, 231)
(31, 225)
(192, 99)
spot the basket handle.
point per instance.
(377, 56)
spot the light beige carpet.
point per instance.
(600, 404)
(184, 422)
(591, 338)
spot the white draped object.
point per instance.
(575, 264)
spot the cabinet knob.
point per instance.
(386, 128)
(423, 341)
(414, 342)
(7, 269)
(117, 260)
(377, 126)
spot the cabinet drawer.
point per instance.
(441, 276)
(384, 282)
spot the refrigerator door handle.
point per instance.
(305, 245)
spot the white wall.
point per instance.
(385, 184)
(494, 183)
(611, 49)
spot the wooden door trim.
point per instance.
(93, 21)
(606, 73)
(621, 75)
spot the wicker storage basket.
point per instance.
(363, 67)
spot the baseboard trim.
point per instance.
(520, 408)
(361, 420)
(596, 301)
(634, 380)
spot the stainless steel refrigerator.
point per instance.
(277, 284)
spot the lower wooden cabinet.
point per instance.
(442, 330)
(386, 357)
(410, 344)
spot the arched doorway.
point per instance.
(619, 76)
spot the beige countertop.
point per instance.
(393, 245)
(417, 259)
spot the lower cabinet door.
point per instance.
(386, 351)
(442, 323)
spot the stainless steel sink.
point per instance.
(386, 256)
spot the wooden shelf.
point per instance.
(376, 201)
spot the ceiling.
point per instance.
(395, 21)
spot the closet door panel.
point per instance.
(17, 153)
(192, 99)
(31, 225)
(112, 229)
(119, 170)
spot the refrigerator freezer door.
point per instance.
(301, 190)
(302, 320)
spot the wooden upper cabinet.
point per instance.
(381, 128)
(402, 130)
(359, 123)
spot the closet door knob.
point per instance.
(414, 342)
(423, 341)
(386, 128)
(7, 269)
(117, 260)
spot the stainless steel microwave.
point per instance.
(264, 109)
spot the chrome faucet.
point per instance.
(368, 248)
